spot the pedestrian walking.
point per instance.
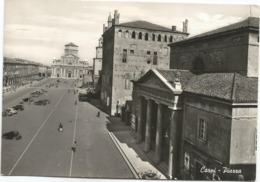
(74, 146)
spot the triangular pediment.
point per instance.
(152, 80)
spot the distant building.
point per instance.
(43, 71)
(87, 81)
(69, 66)
(97, 63)
(18, 72)
(129, 50)
(200, 115)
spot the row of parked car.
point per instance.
(20, 107)
(12, 110)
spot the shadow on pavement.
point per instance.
(115, 124)
(124, 135)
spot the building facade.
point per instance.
(18, 72)
(97, 64)
(217, 50)
(197, 120)
(69, 66)
(129, 50)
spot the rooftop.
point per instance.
(250, 22)
(232, 87)
(147, 25)
(71, 44)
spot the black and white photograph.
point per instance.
(129, 90)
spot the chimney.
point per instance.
(185, 26)
(116, 17)
(109, 21)
(176, 82)
(174, 28)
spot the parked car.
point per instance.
(47, 101)
(12, 135)
(28, 99)
(10, 111)
(19, 107)
(43, 90)
(40, 102)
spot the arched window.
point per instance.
(146, 36)
(140, 35)
(159, 38)
(153, 37)
(170, 38)
(119, 33)
(198, 65)
(126, 34)
(165, 38)
(133, 34)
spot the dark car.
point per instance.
(28, 99)
(40, 102)
(12, 135)
(47, 101)
(19, 107)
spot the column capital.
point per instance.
(175, 107)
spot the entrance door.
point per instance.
(69, 75)
(58, 75)
(198, 174)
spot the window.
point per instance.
(124, 56)
(165, 38)
(159, 38)
(132, 52)
(119, 33)
(146, 36)
(140, 35)
(153, 37)
(170, 38)
(155, 58)
(133, 34)
(202, 129)
(127, 84)
(198, 64)
(126, 34)
(187, 161)
(148, 52)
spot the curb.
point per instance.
(129, 164)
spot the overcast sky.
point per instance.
(37, 30)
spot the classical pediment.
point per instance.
(152, 80)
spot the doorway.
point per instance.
(69, 75)
(198, 173)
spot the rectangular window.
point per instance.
(148, 52)
(132, 52)
(202, 129)
(155, 58)
(127, 84)
(124, 56)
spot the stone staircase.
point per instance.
(161, 166)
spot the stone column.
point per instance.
(173, 161)
(148, 126)
(140, 120)
(158, 144)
